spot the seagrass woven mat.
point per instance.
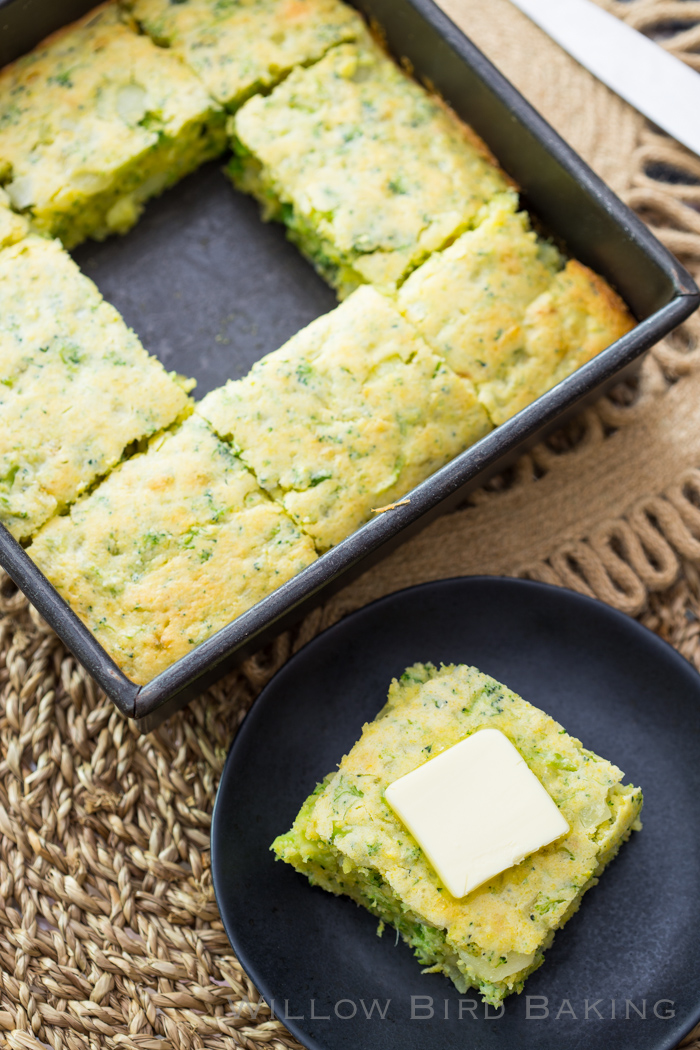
(109, 933)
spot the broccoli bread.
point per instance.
(76, 386)
(348, 840)
(240, 47)
(378, 182)
(97, 119)
(13, 227)
(349, 415)
(172, 546)
(368, 171)
(468, 302)
(503, 308)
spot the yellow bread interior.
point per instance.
(347, 416)
(173, 545)
(577, 317)
(348, 840)
(95, 120)
(369, 171)
(469, 301)
(13, 227)
(76, 385)
(240, 47)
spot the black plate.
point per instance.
(612, 683)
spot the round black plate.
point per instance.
(625, 972)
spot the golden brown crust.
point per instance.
(172, 546)
(473, 138)
(611, 307)
(347, 839)
(574, 320)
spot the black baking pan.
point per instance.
(210, 289)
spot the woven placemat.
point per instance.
(109, 933)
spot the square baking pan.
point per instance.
(210, 289)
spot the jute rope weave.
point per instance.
(109, 933)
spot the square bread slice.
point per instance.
(95, 120)
(468, 301)
(577, 317)
(369, 172)
(347, 416)
(240, 48)
(173, 545)
(76, 386)
(348, 840)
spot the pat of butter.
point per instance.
(476, 810)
